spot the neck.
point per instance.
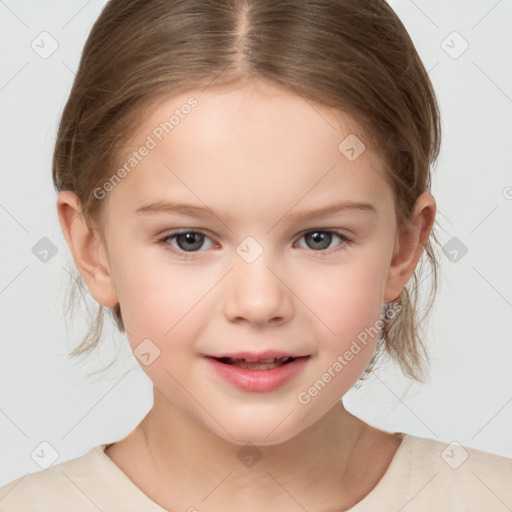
(195, 467)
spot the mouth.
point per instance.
(258, 364)
(257, 372)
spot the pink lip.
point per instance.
(257, 380)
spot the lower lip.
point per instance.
(258, 380)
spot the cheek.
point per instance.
(347, 299)
(347, 306)
(159, 300)
(149, 302)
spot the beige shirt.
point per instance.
(424, 475)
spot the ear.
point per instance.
(87, 248)
(409, 246)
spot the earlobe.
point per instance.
(409, 246)
(87, 249)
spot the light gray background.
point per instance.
(47, 397)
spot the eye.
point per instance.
(188, 241)
(320, 240)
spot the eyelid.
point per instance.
(181, 231)
(334, 231)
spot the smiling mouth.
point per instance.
(257, 373)
(263, 364)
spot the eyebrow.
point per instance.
(205, 212)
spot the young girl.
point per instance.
(245, 184)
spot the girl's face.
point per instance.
(277, 260)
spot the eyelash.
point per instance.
(344, 241)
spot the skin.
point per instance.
(255, 156)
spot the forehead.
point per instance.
(251, 143)
(255, 112)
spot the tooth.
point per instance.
(270, 360)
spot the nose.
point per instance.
(256, 295)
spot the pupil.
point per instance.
(190, 241)
(319, 240)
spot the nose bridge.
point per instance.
(254, 292)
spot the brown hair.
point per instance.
(352, 55)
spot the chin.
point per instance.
(267, 431)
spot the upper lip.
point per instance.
(257, 356)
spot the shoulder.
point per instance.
(458, 476)
(53, 488)
(88, 483)
(455, 456)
